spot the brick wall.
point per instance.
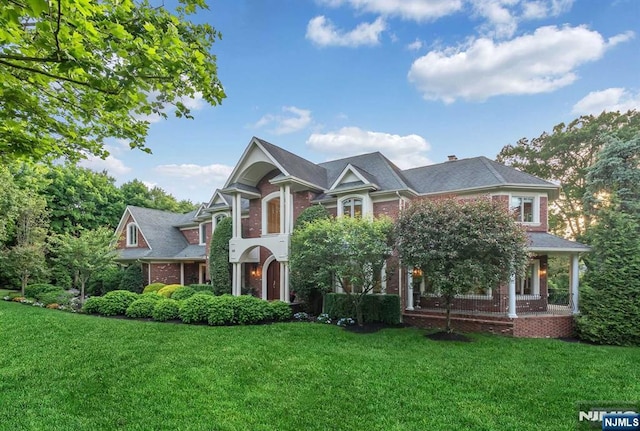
(168, 273)
(544, 326)
(190, 273)
(192, 235)
(122, 239)
(389, 208)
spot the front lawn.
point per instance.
(62, 371)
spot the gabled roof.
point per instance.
(354, 175)
(548, 243)
(159, 229)
(470, 174)
(295, 165)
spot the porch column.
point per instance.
(284, 275)
(236, 212)
(236, 279)
(512, 297)
(182, 273)
(409, 288)
(574, 277)
(282, 287)
(283, 210)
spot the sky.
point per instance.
(417, 80)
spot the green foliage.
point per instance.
(221, 311)
(153, 287)
(168, 290)
(280, 311)
(136, 193)
(610, 308)
(111, 63)
(35, 290)
(564, 157)
(142, 307)
(105, 281)
(219, 266)
(59, 297)
(166, 309)
(93, 305)
(197, 308)
(248, 310)
(183, 292)
(202, 287)
(461, 245)
(311, 214)
(116, 302)
(375, 308)
(351, 251)
(132, 279)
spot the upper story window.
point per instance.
(524, 209)
(352, 207)
(202, 233)
(132, 235)
(271, 214)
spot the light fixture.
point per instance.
(417, 272)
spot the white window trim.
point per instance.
(265, 202)
(536, 206)
(215, 221)
(202, 233)
(367, 204)
(132, 241)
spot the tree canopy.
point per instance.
(75, 72)
(461, 245)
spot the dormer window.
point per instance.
(524, 209)
(132, 235)
(203, 233)
(352, 207)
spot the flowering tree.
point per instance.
(461, 245)
(347, 251)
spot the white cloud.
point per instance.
(620, 38)
(293, 120)
(415, 45)
(322, 32)
(201, 173)
(501, 21)
(610, 100)
(111, 164)
(405, 151)
(534, 63)
(416, 10)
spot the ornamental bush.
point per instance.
(60, 297)
(249, 309)
(153, 287)
(221, 312)
(35, 290)
(280, 311)
(166, 309)
(167, 290)
(93, 305)
(202, 287)
(142, 307)
(197, 308)
(375, 308)
(132, 279)
(116, 302)
(183, 292)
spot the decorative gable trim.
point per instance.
(218, 199)
(353, 179)
(122, 226)
(253, 150)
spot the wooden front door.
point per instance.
(273, 280)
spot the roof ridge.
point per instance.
(489, 164)
(348, 157)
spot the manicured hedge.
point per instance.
(375, 308)
(249, 309)
(221, 311)
(153, 287)
(167, 290)
(197, 308)
(35, 290)
(166, 309)
(202, 287)
(116, 302)
(93, 305)
(280, 311)
(142, 307)
(59, 297)
(183, 292)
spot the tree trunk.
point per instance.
(82, 283)
(359, 316)
(448, 329)
(25, 280)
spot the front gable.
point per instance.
(121, 232)
(353, 178)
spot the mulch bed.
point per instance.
(448, 336)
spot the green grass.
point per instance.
(62, 371)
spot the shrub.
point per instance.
(35, 290)
(153, 287)
(93, 305)
(116, 302)
(183, 292)
(221, 312)
(167, 290)
(142, 307)
(220, 290)
(249, 309)
(206, 292)
(202, 287)
(280, 311)
(166, 309)
(219, 266)
(61, 298)
(152, 295)
(105, 281)
(131, 279)
(197, 308)
(375, 308)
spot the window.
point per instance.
(132, 235)
(203, 233)
(523, 209)
(530, 283)
(352, 207)
(273, 216)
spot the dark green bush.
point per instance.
(206, 292)
(132, 279)
(221, 312)
(183, 292)
(202, 287)
(219, 266)
(105, 281)
(35, 290)
(93, 305)
(280, 311)
(166, 309)
(116, 302)
(375, 308)
(60, 297)
(153, 287)
(197, 308)
(142, 307)
(249, 309)
(220, 290)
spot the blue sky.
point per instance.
(415, 79)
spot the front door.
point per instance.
(273, 280)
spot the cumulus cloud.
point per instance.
(292, 120)
(322, 32)
(111, 164)
(534, 63)
(416, 10)
(415, 45)
(611, 100)
(405, 151)
(206, 174)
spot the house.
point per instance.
(269, 188)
